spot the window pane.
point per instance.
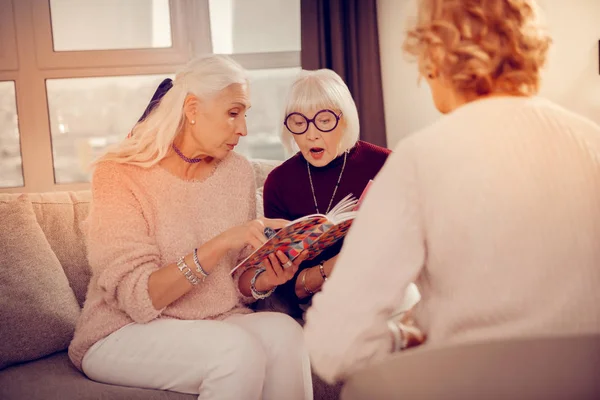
(89, 114)
(11, 170)
(110, 24)
(268, 90)
(257, 26)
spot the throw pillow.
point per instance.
(260, 212)
(38, 309)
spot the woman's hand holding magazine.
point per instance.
(277, 271)
(310, 234)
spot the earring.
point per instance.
(193, 122)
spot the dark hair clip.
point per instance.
(162, 89)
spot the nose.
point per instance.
(242, 129)
(312, 133)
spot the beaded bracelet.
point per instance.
(199, 268)
(322, 271)
(191, 277)
(258, 295)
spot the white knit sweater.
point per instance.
(494, 212)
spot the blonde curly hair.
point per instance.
(482, 46)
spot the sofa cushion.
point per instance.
(262, 168)
(60, 215)
(55, 378)
(38, 309)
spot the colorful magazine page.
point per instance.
(306, 232)
(329, 238)
(338, 231)
(290, 240)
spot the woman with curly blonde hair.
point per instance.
(492, 211)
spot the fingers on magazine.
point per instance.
(312, 233)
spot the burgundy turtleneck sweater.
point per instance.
(288, 195)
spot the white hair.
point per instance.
(151, 138)
(316, 90)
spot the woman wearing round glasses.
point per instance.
(321, 122)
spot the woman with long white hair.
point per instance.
(173, 211)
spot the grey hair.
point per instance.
(321, 89)
(151, 139)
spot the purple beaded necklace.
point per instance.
(184, 158)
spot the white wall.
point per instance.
(571, 78)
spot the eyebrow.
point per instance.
(246, 106)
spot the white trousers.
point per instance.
(244, 357)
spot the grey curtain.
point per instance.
(342, 35)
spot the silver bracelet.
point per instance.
(399, 342)
(191, 277)
(258, 295)
(199, 268)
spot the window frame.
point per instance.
(34, 61)
(47, 58)
(8, 44)
(14, 84)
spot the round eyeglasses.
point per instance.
(324, 120)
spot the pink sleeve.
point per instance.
(237, 274)
(121, 250)
(346, 326)
(245, 252)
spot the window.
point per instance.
(89, 114)
(263, 35)
(80, 74)
(10, 148)
(258, 26)
(107, 24)
(265, 118)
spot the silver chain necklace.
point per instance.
(334, 190)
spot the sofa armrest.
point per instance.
(542, 368)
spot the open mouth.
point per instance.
(316, 153)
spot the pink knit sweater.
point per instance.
(142, 219)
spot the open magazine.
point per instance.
(313, 233)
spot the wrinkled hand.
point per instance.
(276, 270)
(252, 233)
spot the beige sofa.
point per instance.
(43, 282)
